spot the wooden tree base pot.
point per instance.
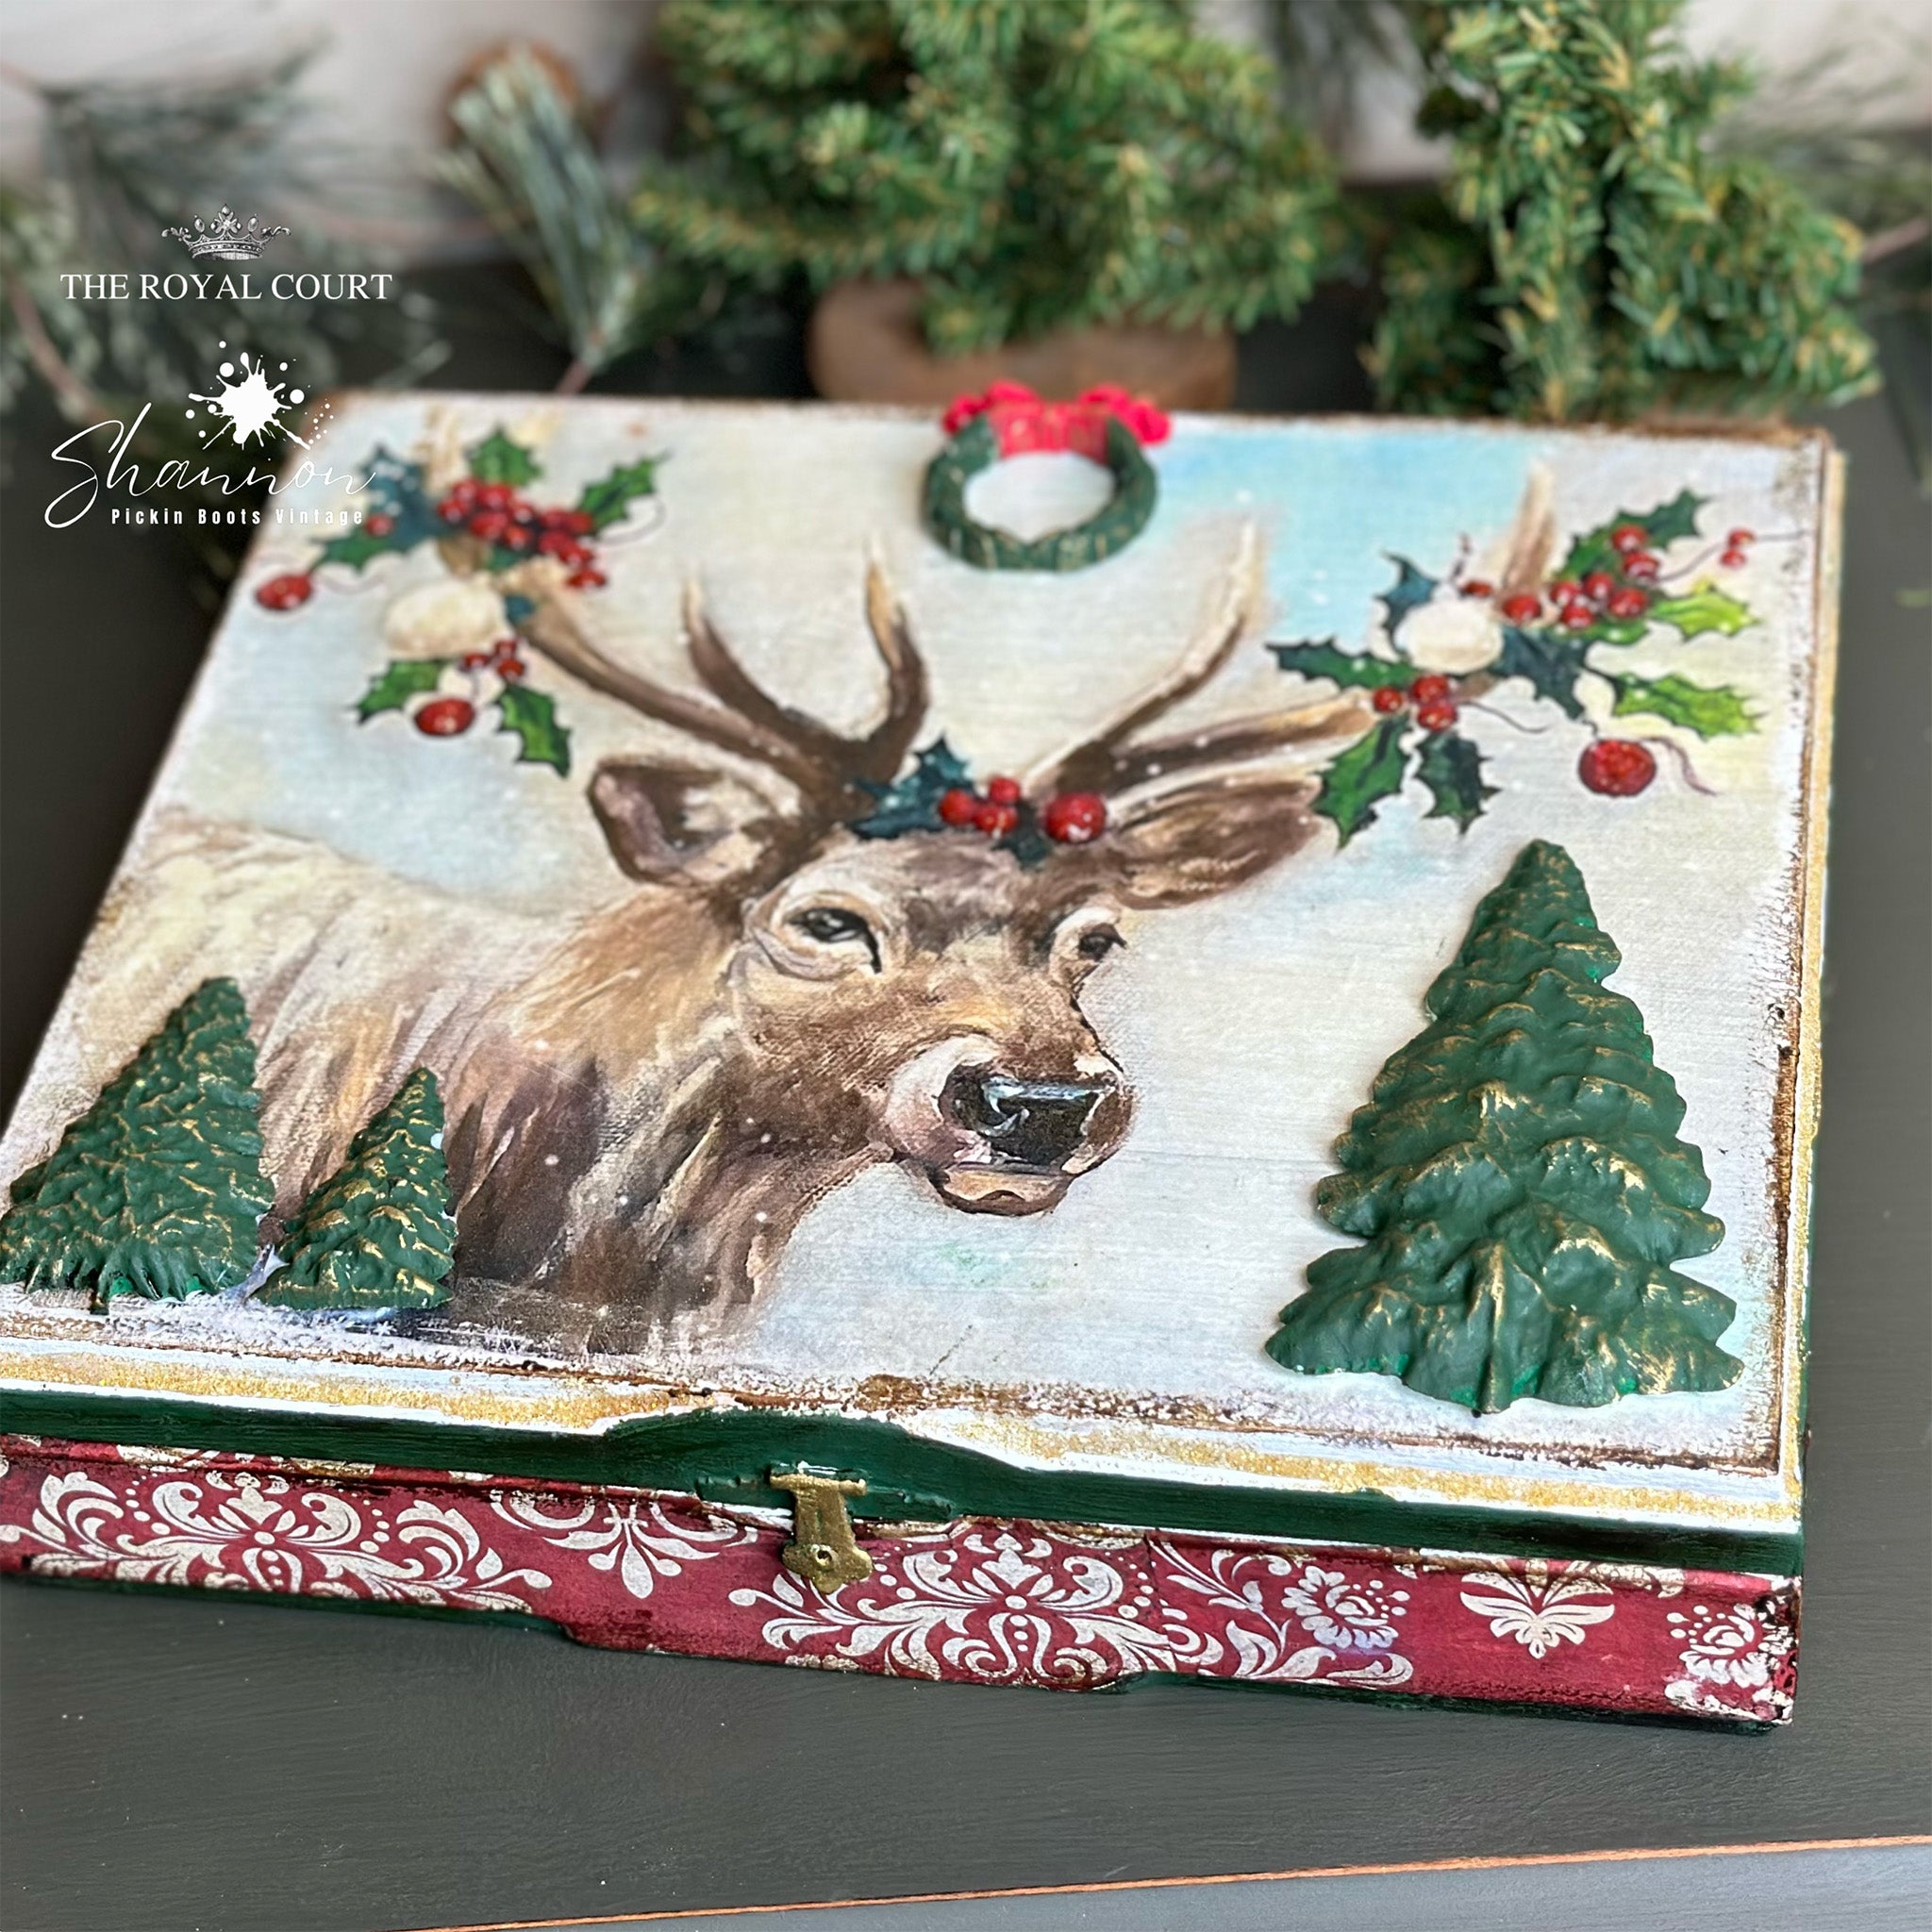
(866, 346)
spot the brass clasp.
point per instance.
(822, 1550)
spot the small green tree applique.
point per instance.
(1518, 1185)
(377, 1233)
(158, 1189)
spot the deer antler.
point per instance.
(1109, 764)
(748, 721)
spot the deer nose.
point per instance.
(1034, 1123)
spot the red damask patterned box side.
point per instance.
(977, 1600)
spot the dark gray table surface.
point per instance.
(171, 1763)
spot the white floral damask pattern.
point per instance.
(244, 1530)
(1008, 1605)
(637, 1537)
(1021, 1605)
(1270, 1646)
(1542, 1611)
(1733, 1650)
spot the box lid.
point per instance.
(796, 1112)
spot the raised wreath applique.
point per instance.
(1104, 424)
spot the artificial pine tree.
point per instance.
(158, 1189)
(1518, 1185)
(1034, 164)
(1594, 254)
(377, 1233)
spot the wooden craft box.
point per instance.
(821, 1106)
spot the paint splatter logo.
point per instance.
(248, 408)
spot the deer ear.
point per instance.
(675, 824)
(1194, 843)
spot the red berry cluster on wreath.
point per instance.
(1432, 697)
(1069, 818)
(1028, 424)
(494, 513)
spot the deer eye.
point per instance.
(836, 926)
(1097, 942)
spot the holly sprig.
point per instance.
(938, 794)
(1611, 591)
(485, 508)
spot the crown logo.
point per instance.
(225, 238)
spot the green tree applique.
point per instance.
(158, 1189)
(1518, 1185)
(377, 1233)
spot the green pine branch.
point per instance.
(1034, 166)
(1594, 254)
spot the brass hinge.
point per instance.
(822, 1550)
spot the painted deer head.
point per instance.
(916, 998)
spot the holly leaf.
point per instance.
(911, 804)
(355, 547)
(1410, 588)
(1027, 841)
(608, 500)
(395, 492)
(1371, 768)
(1703, 608)
(530, 717)
(1661, 526)
(1622, 631)
(1344, 667)
(497, 460)
(1552, 664)
(397, 683)
(1452, 768)
(1710, 710)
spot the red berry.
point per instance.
(958, 806)
(1627, 536)
(1616, 767)
(452, 509)
(490, 525)
(1565, 590)
(1479, 587)
(495, 495)
(509, 669)
(1598, 585)
(1577, 614)
(1003, 791)
(1430, 689)
(1523, 607)
(1642, 565)
(1628, 602)
(379, 525)
(445, 717)
(519, 537)
(563, 545)
(1436, 717)
(996, 821)
(1733, 559)
(587, 579)
(1074, 818)
(474, 661)
(1387, 697)
(284, 594)
(1738, 539)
